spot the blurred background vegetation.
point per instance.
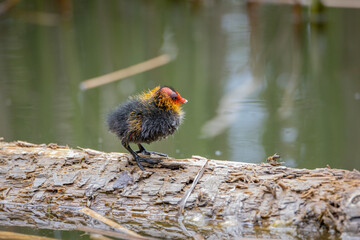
(260, 78)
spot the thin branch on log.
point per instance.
(111, 223)
(182, 203)
(189, 191)
(95, 236)
(46, 185)
(20, 236)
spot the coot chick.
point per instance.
(146, 118)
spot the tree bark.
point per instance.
(45, 185)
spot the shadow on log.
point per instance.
(45, 185)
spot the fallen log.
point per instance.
(45, 185)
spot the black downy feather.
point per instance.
(156, 123)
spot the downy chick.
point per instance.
(146, 118)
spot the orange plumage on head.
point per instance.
(168, 98)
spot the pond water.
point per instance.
(260, 78)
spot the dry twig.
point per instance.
(20, 236)
(111, 223)
(189, 191)
(126, 72)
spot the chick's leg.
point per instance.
(137, 157)
(143, 151)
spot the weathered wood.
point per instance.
(46, 185)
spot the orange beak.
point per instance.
(182, 100)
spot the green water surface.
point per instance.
(260, 78)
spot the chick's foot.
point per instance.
(150, 160)
(143, 151)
